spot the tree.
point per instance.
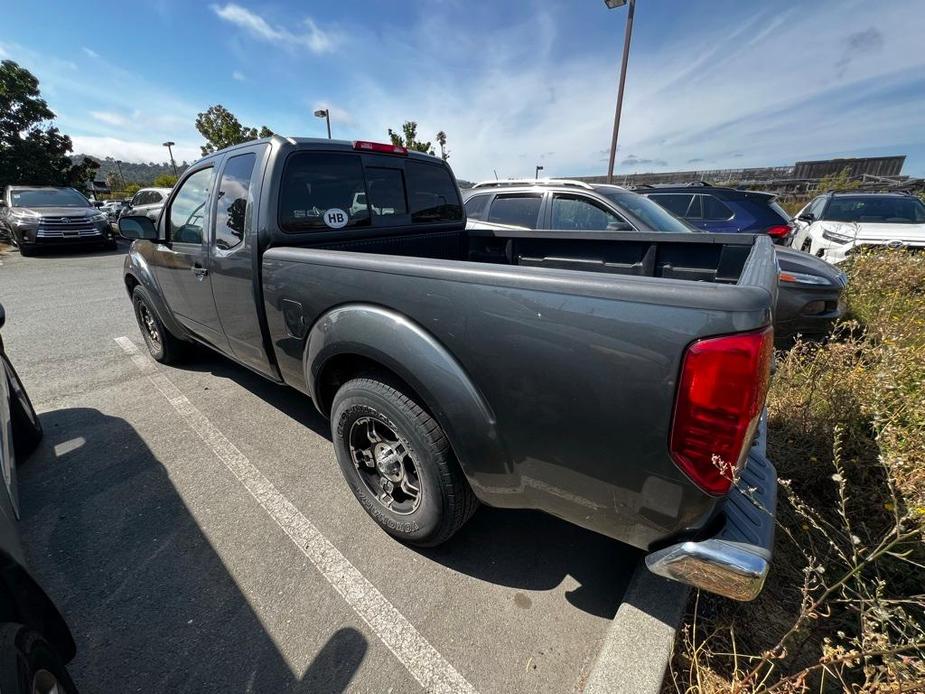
(130, 189)
(221, 128)
(32, 150)
(165, 181)
(441, 140)
(410, 141)
(840, 181)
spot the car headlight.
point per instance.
(98, 217)
(802, 278)
(24, 215)
(836, 236)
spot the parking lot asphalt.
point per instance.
(162, 525)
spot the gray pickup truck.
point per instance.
(613, 379)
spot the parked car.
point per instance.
(810, 290)
(148, 202)
(114, 208)
(595, 376)
(35, 642)
(834, 225)
(34, 217)
(724, 210)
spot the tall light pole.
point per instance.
(613, 4)
(326, 114)
(536, 174)
(169, 146)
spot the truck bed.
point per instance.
(715, 258)
(572, 341)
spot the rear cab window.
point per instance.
(324, 191)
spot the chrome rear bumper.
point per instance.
(735, 562)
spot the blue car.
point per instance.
(716, 209)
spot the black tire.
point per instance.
(26, 250)
(28, 663)
(446, 501)
(111, 245)
(27, 429)
(164, 347)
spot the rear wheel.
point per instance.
(162, 344)
(398, 463)
(29, 665)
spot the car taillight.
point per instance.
(379, 147)
(778, 231)
(721, 393)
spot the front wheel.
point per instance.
(398, 463)
(29, 665)
(162, 344)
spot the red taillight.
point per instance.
(379, 147)
(723, 385)
(778, 231)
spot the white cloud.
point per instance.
(132, 150)
(110, 118)
(239, 76)
(709, 96)
(90, 52)
(312, 37)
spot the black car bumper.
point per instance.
(809, 311)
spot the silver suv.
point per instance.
(565, 204)
(148, 202)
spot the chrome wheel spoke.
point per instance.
(385, 465)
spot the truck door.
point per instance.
(233, 246)
(183, 263)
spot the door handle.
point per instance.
(199, 271)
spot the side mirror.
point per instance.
(808, 217)
(137, 227)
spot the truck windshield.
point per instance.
(327, 190)
(48, 197)
(650, 213)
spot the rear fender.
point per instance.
(405, 348)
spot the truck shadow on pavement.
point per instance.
(519, 549)
(151, 604)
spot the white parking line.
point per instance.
(432, 671)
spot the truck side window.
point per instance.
(433, 195)
(575, 212)
(188, 209)
(315, 182)
(232, 200)
(516, 209)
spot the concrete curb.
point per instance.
(639, 642)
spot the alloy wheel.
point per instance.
(385, 465)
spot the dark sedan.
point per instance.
(35, 641)
(35, 217)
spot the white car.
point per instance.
(835, 224)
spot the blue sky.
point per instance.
(712, 83)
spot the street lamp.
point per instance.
(326, 114)
(169, 145)
(613, 4)
(536, 174)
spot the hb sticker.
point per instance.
(335, 218)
